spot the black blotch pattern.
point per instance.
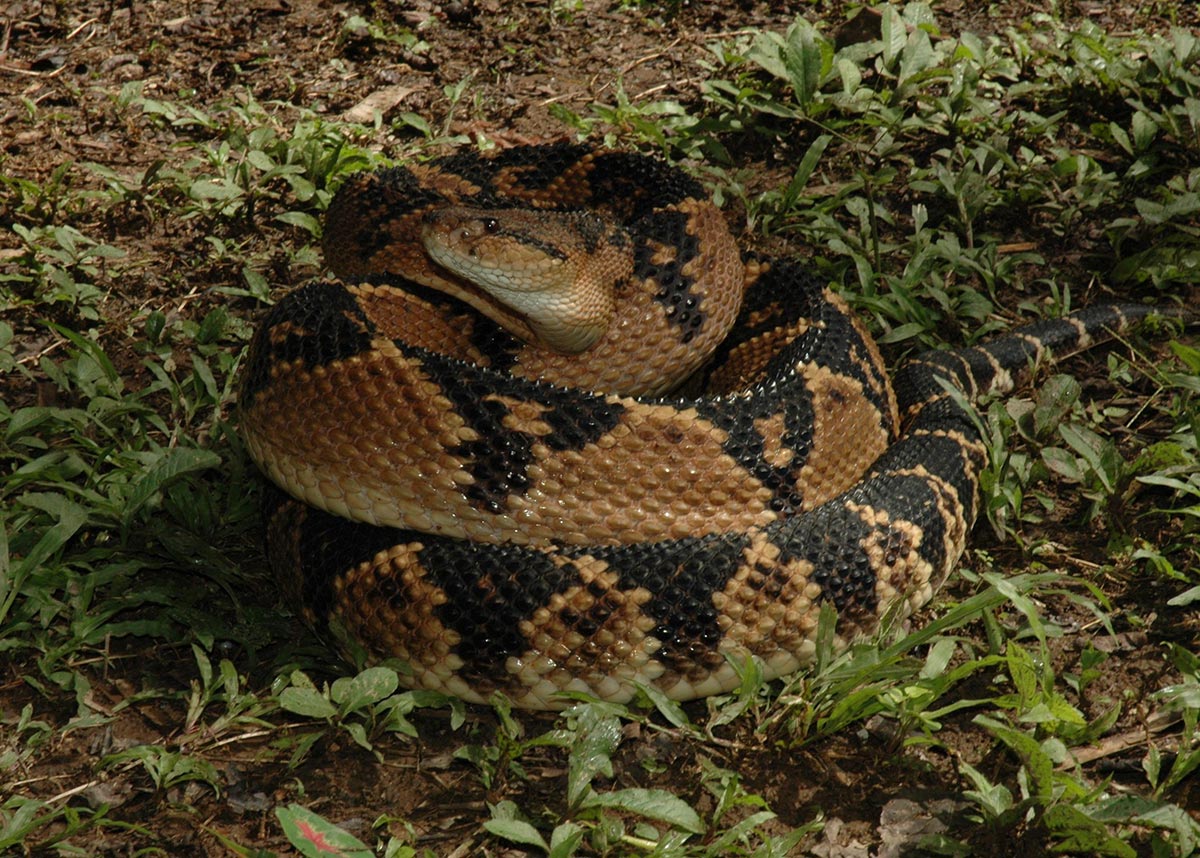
(490, 591)
(324, 323)
(366, 202)
(538, 166)
(329, 546)
(789, 293)
(831, 538)
(501, 456)
(681, 577)
(681, 305)
(745, 444)
(632, 186)
(626, 185)
(594, 231)
(945, 457)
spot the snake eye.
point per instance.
(490, 224)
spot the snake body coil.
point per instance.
(504, 517)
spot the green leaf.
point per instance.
(894, 33)
(260, 160)
(301, 219)
(7, 358)
(565, 839)
(1054, 401)
(670, 709)
(306, 702)
(651, 803)
(28, 815)
(939, 658)
(370, 686)
(316, 837)
(741, 830)
(204, 189)
(358, 732)
(1039, 765)
(1171, 817)
(599, 735)
(803, 59)
(1187, 597)
(850, 74)
(70, 517)
(516, 831)
(1144, 131)
(1062, 463)
(1188, 354)
(916, 57)
(808, 163)
(25, 421)
(993, 799)
(1081, 835)
(173, 463)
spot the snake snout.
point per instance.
(445, 225)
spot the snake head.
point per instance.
(558, 270)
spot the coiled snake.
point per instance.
(516, 518)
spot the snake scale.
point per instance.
(513, 503)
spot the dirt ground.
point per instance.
(62, 66)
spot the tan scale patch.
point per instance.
(388, 602)
(767, 607)
(761, 315)
(847, 436)
(280, 333)
(1083, 338)
(771, 430)
(617, 651)
(902, 575)
(745, 364)
(661, 473)
(871, 362)
(400, 315)
(662, 254)
(382, 455)
(1002, 379)
(570, 189)
(523, 415)
(719, 261)
(451, 185)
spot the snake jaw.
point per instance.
(557, 270)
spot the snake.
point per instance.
(548, 431)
